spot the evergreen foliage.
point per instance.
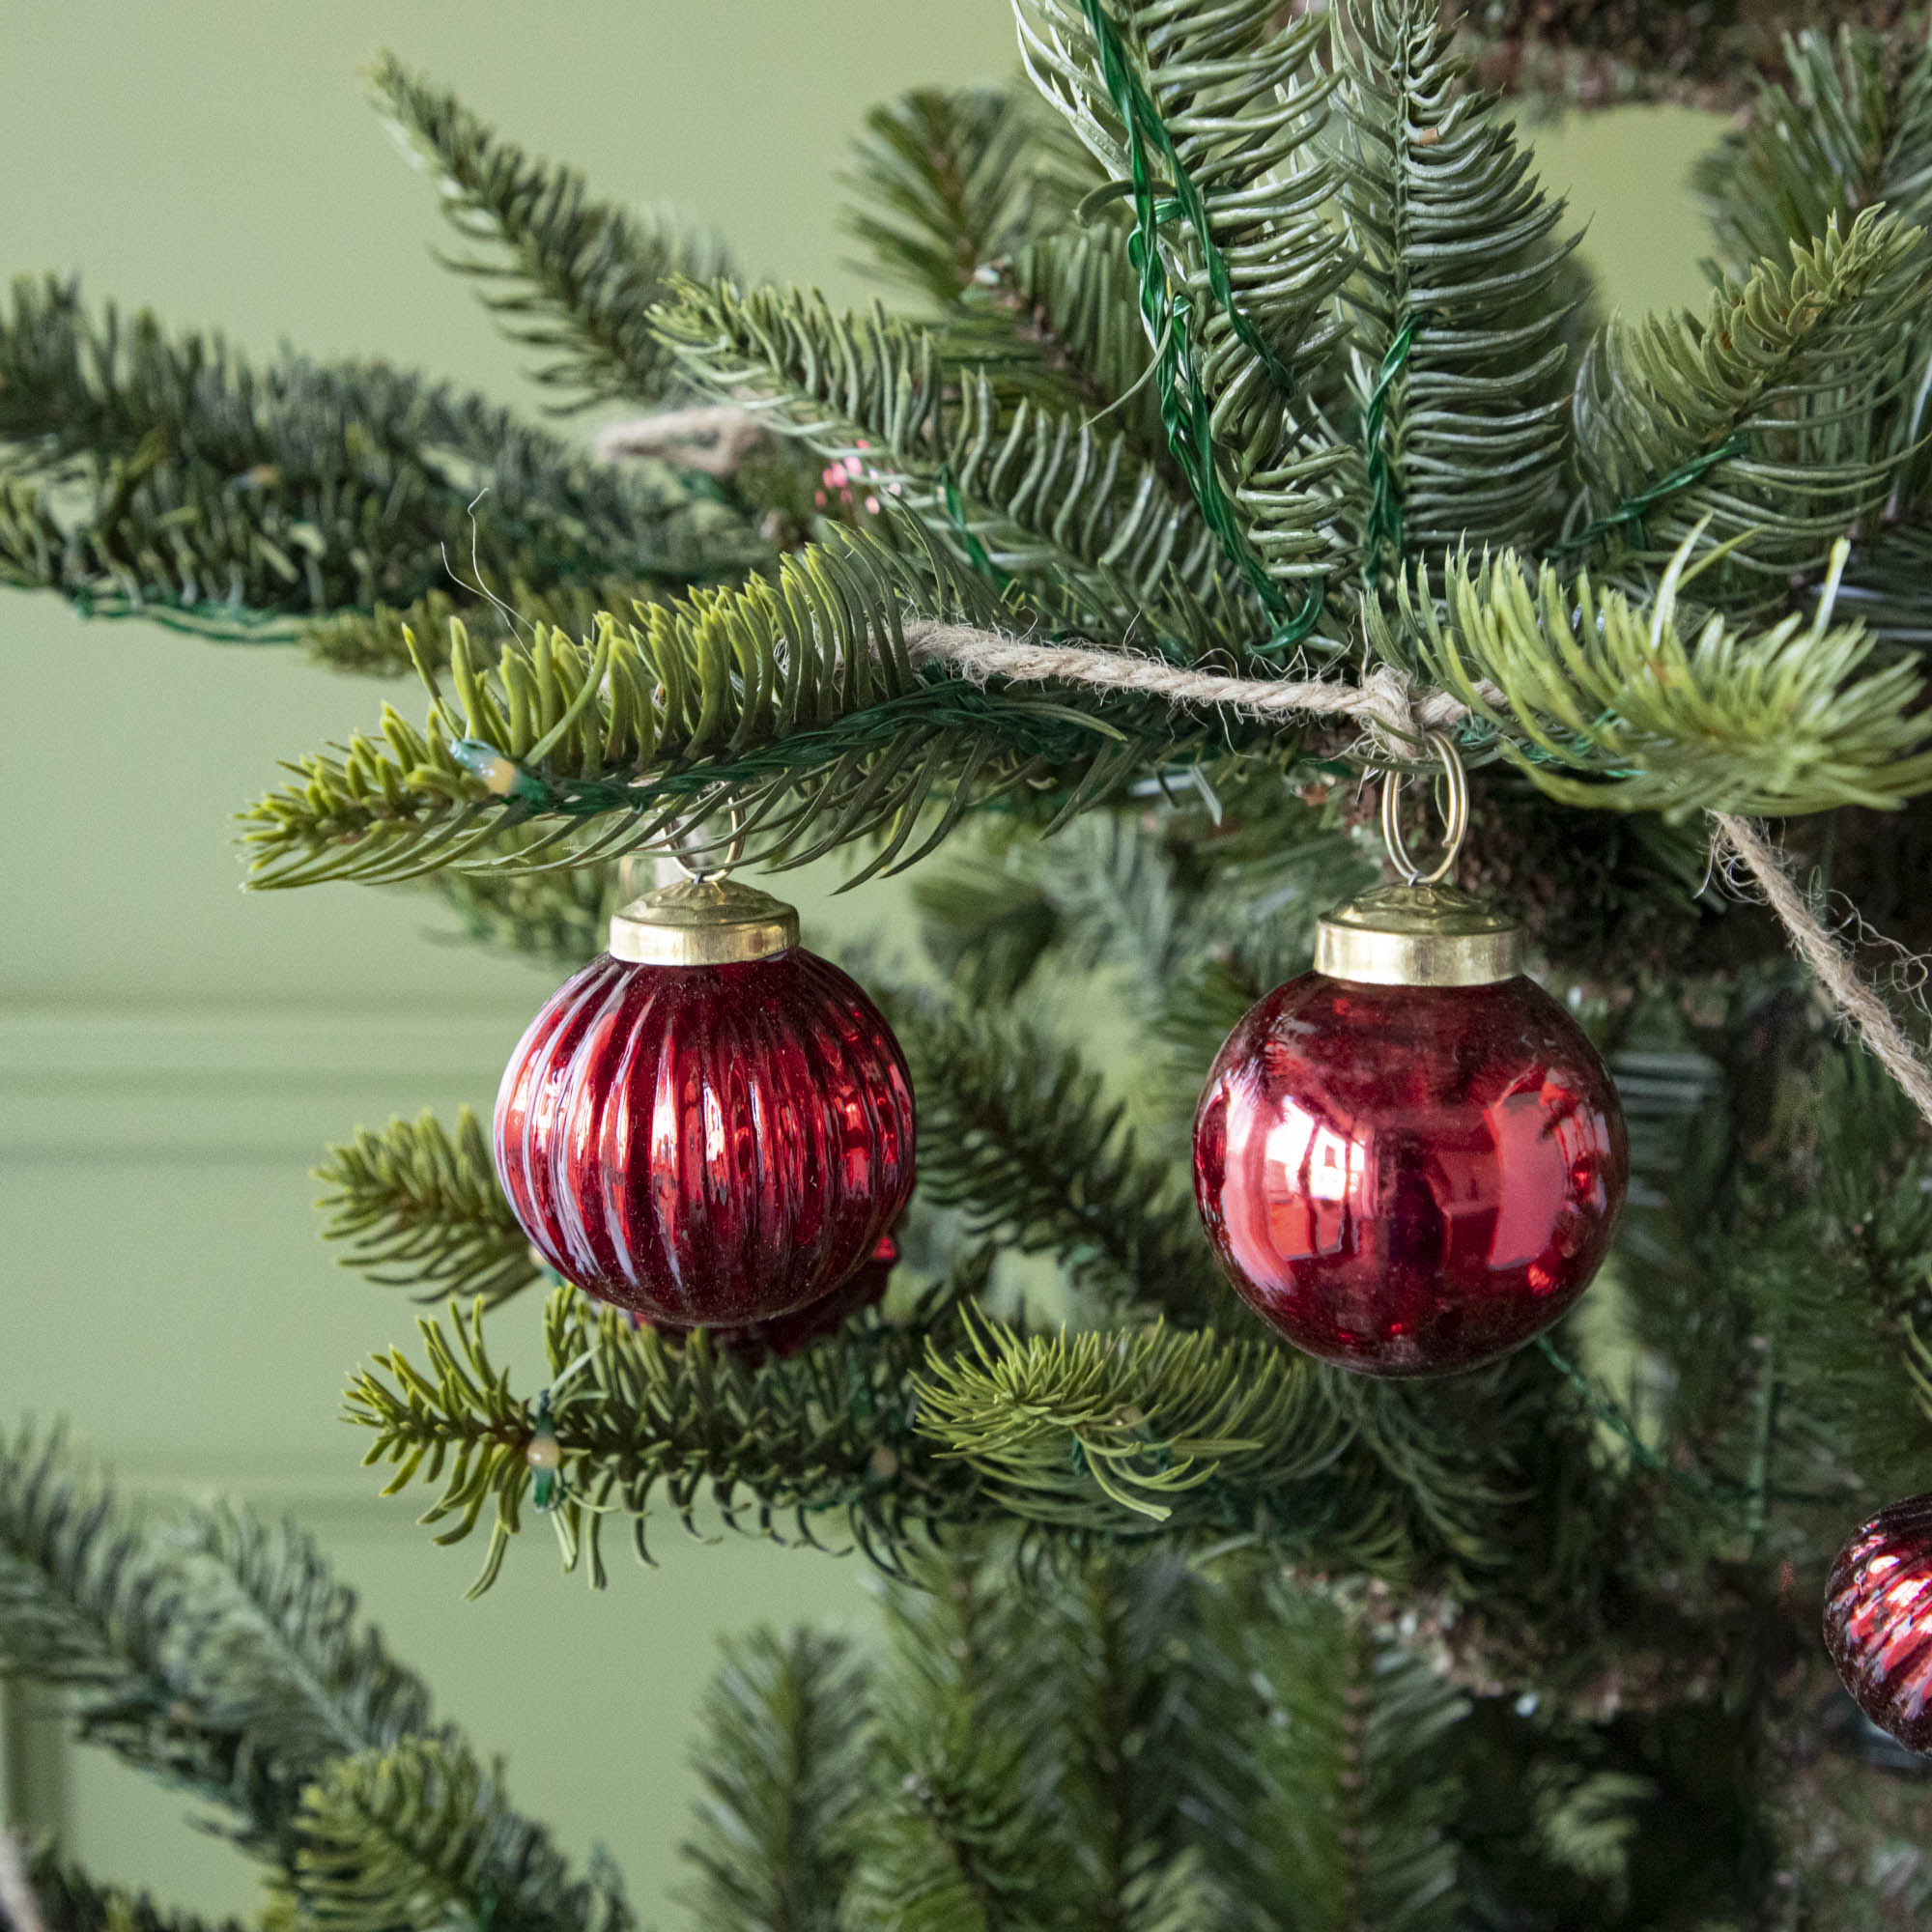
(1056, 318)
(1460, 312)
(1763, 423)
(420, 1207)
(1584, 54)
(1349, 1716)
(1064, 506)
(794, 697)
(169, 475)
(568, 274)
(788, 1727)
(1253, 345)
(70, 1902)
(953, 182)
(1017, 1133)
(1850, 129)
(389, 642)
(407, 1837)
(1781, 722)
(222, 1655)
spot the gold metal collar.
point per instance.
(1418, 935)
(707, 922)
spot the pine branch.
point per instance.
(1782, 721)
(1839, 1282)
(70, 1902)
(1459, 344)
(1180, 907)
(1884, 584)
(1848, 129)
(561, 918)
(1766, 420)
(573, 276)
(1117, 1706)
(950, 181)
(1142, 1421)
(1329, 1805)
(786, 1737)
(825, 1432)
(1236, 258)
(985, 925)
(283, 1650)
(417, 1835)
(1095, 532)
(1058, 319)
(219, 1656)
(1102, 895)
(1118, 900)
(388, 641)
(1015, 1129)
(957, 1835)
(423, 1210)
(167, 475)
(95, 1609)
(1588, 54)
(793, 699)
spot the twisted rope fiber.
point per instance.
(1396, 722)
(1383, 702)
(1826, 956)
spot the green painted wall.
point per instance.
(172, 1053)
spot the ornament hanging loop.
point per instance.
(703, 863)
(1455, 817)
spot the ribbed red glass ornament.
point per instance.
(707, 1146)
(1410, 1180)
(1878, 1620)
(786, 1334)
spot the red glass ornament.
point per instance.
(786, 1334)
(1878, 1620)
(707, 1146)
(1410, 1180)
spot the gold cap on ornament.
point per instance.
(1418, 935)
(1423, 932)
(706, 922)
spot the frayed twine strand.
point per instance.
(1834, 965)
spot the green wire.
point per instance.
(1752, 1496)
(1184, 414)
(1634, 507)
(1384, 524)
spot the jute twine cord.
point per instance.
(1396, 722)
(1825, 955)
(1382, 702)
(714, 437)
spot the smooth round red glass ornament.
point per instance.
(707, 1146)
(1878, 1620)
(1410, 1180)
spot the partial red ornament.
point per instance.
(715, 1130)
(786, 1334)
(1878, 1620)
(1416, 1170)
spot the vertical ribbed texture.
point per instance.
(708, 1145)
(1878, 1620)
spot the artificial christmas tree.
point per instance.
(1255, 433)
